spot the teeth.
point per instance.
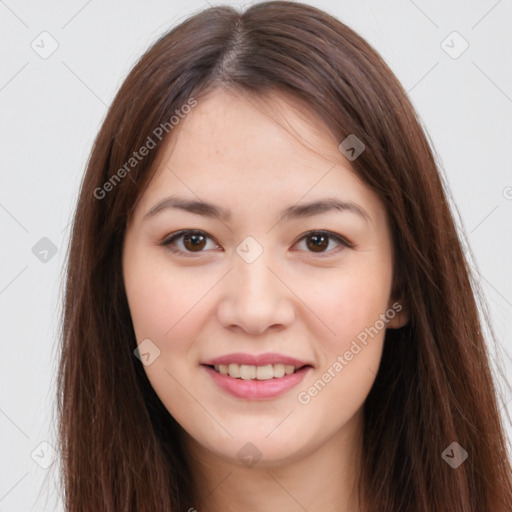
(265, 372)
(279, 370)
(248, 372)
(233, 370)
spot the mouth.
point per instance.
(251, 372)
(251, 382)
(256, 377)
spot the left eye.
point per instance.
(317, 241)
(194, 241)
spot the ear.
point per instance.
(397, 313)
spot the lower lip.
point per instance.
(257, 389)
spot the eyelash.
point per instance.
(168, 243)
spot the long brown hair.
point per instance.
(120, 447)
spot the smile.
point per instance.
(250, 372)
(250, 386)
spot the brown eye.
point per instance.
(318, 242)
(188, 242)
(194, 241)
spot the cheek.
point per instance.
(350, 355)
(349, 303)
(162, 301)
(166, 308)
(353, 309)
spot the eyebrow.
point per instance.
(210, 210)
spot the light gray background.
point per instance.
(51, 110)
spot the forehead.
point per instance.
(236, 148)
(234, 117)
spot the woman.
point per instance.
(267, 304)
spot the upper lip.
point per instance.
(257, 360)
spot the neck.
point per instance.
(318, 478)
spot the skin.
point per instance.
(231, 151)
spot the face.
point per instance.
(229, 297)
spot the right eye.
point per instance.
(191, 241)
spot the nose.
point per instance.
(256, 297)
